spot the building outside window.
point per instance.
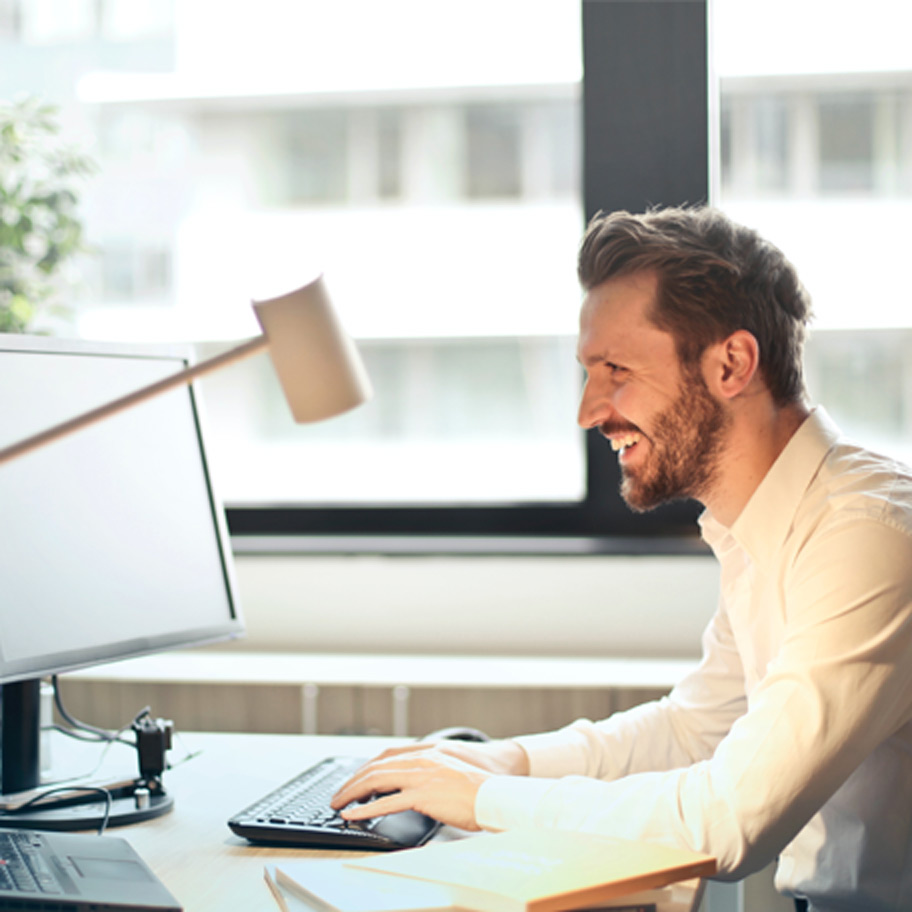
(439, 191)
(816, 152)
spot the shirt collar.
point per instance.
(765, 520)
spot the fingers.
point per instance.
(380, 806)
(398, 768)
(440, 786)
(375, 778)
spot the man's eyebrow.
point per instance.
(595, 358)
(583, 362)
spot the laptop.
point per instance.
(77, 872)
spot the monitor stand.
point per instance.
(87, 812)
(80, 809)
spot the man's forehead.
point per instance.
(636, 290)
(625, 301)
(603, 340)
(615, 319)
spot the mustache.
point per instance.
(618, 427)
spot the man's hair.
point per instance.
(714, 278)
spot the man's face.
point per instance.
(662, 420)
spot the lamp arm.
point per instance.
(246, 350)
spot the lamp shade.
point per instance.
(316, 361)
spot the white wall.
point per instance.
(588, 606)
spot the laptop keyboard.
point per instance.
(22, 867)
(298, 813)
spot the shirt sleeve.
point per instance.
(840, 684)
(676, 731)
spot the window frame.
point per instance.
(646, 103)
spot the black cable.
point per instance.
(100, 733)
(38, 800)
(76, 734)
(83, 731)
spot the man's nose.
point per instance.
(595, 407)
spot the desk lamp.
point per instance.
(317, 364)
(321, 375)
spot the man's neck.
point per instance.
(759, 433)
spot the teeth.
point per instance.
(621, 443)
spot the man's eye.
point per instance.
(615, 368)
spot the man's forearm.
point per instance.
(515, 758)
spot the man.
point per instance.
(793, 738)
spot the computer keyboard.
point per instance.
(21, 866)
(298, 813)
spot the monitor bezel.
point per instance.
(181, 355)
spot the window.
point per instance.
(387, 130)
(815, 154)
(494, 151)
(131, 274)
(754, 143)
(865, 376)
(847, 131)
(10, 19)
(440, 193)
(311, 156)
(55, 22)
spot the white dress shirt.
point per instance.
(793, 737)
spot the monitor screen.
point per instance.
(112, 542)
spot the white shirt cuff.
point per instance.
(506, 802)
(555, 754)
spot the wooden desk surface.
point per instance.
(199, 859)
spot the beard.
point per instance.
(686, 440)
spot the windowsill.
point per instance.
(472, 545)
(233, 666)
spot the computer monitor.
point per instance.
(112, 542)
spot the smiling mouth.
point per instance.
(622, 440)
(625, 442)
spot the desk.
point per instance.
(192, 850)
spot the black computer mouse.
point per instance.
(457, 733)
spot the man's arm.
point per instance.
(440, 779)
(660, 735)
(676, 731)
(839, 687)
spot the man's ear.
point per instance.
(729, 366)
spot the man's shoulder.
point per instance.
(854, 483)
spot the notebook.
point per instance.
(77, 871)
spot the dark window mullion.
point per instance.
(645, 142)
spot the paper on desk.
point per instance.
(542, 870)
(269, 874)
(330, 885)
(327, 885)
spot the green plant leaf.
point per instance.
(40, 231)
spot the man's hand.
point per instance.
(439, 779)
